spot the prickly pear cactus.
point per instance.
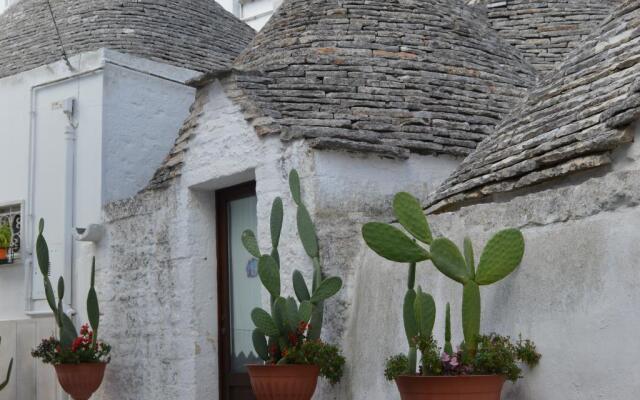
(448, 347)
(501, 256)
(67, 329)
(394, 244)
(274, 330)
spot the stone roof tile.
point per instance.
(570, 121)
(383, 76)
(194, 34)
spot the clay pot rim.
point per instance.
(79, 364)
(309, 366)
(450, 376)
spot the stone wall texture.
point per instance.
(575, 294)
(383, 76)
(546, 31)
(193, 34)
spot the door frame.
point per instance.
(222, 199)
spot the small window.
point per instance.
(11, 216)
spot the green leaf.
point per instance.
(468, 257)
(251, 243)
(269, 275)
(500, 257)
(447, 258)
(411, 216)
(307, 232)
(317, 318)
(448, 348)
(292, 314)
(300, 286)
(409, 316)
(68, 332)
(279, 315)
(260, 344)
(263, 321)
(277, 215)
(294, 185)
(471, 309)
(51, 298)
(425, 309)
(304, 313)
(93, 311)
(391, 243)
(60, 288)
(42, 252)
(327, 288)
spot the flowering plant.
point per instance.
(496, 355)
(290, 334)
(70, 347)
(83, 350)
(304, 351)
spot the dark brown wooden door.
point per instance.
(239, 289)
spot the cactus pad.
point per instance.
(307, 232)
(411, 216)
(263, 321)
(277, 215)
(294, 185)
(269, 275)
(251, 243)
(447, 258)
(409, 316)
(471, 309)
(425, 309)
(300, 286)
(392, 244)
(260, 344)
(500, 257)
(327, 288)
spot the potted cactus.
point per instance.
(5, 241)
(80, 359)
(288, 337)
(482, 364)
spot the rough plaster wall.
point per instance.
(575, 295)
(159, 259)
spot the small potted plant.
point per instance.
(80, 359)
(5, 241)
(288, 337)
(481, 365)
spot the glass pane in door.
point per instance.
(244, 283)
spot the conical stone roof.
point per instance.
(385, 76)
(194, 34)
(571, 121)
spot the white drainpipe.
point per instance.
(70, 194)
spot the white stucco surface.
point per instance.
(575, 293)
(160, 293)
(117, 148)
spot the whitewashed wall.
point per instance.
(127, 112)
(255, 13)
(160, 254)
(575, 294)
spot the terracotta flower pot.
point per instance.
(3, 254)
(283, 382)
(80, 381)
(481, 387)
